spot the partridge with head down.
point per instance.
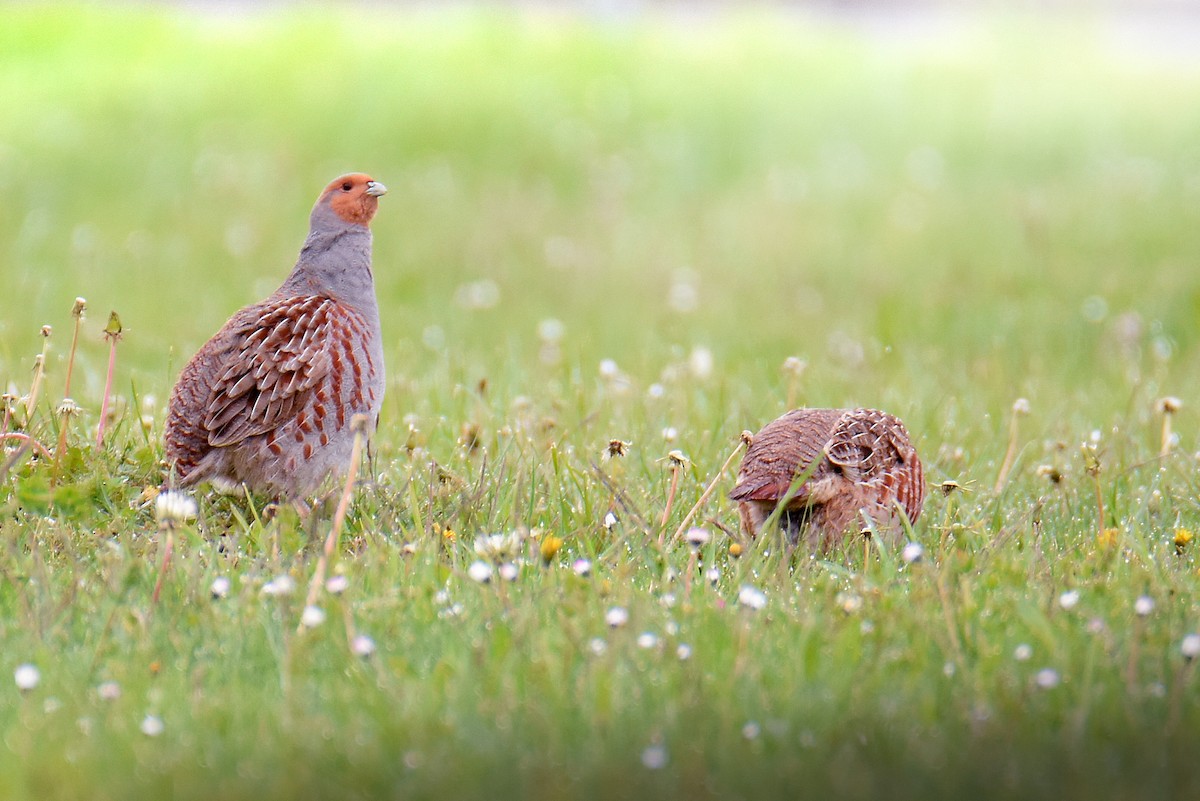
(842, 467)
(267, 402)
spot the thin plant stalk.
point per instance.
(359, 425)
(712, 485)
(1020, 407)
(39, 375)
(112, 333)
(168, 549)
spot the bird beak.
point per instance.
(375, 189)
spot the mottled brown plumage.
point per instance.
(267, 402)
(854, 463)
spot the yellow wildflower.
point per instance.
(1183, 536)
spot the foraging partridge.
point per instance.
(267, 402)
(852, 462)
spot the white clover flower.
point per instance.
(1190, 647)
(752, 597)
(174, 508)
(480, 572)
(312, 617)
(508, 571)
(27, 677)
(1047, 678)
(1023, 652)
(610, 520)
(683, 652)
(362, 645)
(279, 586)
(616, 617)
(597, 646)
(152, 725)
(654, 757)
(220, 587)
(109, 691)
(713, 575)
(1069, 600)
(647, 639)
(698, 537)
(913, 552)
(336, 585)
(582, 568)
(1143, 606)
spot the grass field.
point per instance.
(599, 229)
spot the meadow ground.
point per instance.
(611, 229)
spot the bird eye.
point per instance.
(346, 187)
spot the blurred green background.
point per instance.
(1005, 201)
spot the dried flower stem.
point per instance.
(30, 443)
(112, 332)
(1165, 447)
(359, 425)
(708, 491)
(77, 313)
(168, 548)
(39, 374)
(1010, 455)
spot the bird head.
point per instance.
(354, 198)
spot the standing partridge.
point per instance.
(846, 464)
(267, 402)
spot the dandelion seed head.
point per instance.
(609, 369)
(480, 572)
(312, 617)
(751, 597)
(1169, 405)
(362, 646)
(1190, 647)
(616, 617)
(1047, 678)
(152, 725)
(279, 586)
(27, 677)
(912, 552)
(173, 508)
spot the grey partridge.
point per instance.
(852, 462)
(268, 401)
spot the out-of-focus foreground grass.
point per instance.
(937, 227)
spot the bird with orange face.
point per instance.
(268, 401)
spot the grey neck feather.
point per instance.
(335, 261)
